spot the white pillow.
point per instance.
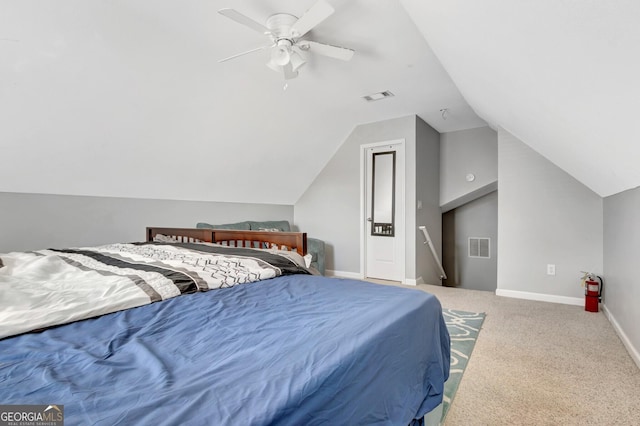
(291, 255)
(159, 238)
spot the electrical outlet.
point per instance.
(551, 269)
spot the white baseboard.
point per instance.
(412, 281)
(359, 276)
(343, 274)
(633, 352)
(578, 301)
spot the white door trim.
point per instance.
(363, 207)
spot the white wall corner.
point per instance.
(633, 352)
(344, 274)
(578, 301)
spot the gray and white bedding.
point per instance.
(44, 288)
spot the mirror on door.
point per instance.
(383, 194)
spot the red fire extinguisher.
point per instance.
(592, 294)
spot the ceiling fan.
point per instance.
(286, 32)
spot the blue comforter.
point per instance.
(293, 350)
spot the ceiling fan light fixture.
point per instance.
(276, 68)
(280, 55)
(296, 61)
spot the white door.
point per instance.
(384, 211)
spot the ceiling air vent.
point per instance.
(479, 247)
(378, 96)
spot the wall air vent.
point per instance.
(479, 247)
(378, 96)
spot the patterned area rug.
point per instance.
(463, 328)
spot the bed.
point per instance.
(273, 344)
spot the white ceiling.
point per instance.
(561, 75)
(126, 97)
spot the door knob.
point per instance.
(369, 219)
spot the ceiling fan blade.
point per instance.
(336, 52)
(244, 20)
(312, 17)
(245, 53)
(289, 73)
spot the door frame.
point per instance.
(401, 178)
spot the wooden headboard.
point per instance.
(295, 241)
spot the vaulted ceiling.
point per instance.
(127, 98)
(561, 75)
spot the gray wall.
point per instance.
(330, 208)
(621, 248)
(467, 151)
(545, 216)
(428, 192)
(478, 218)
(35, 221)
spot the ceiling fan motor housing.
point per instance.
(280, 26)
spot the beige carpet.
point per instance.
(538, 363)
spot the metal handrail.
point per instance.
(427, 240)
